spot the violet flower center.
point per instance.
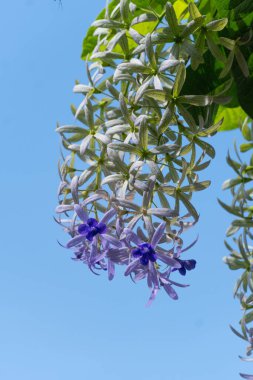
(145, 252)
(91, 228)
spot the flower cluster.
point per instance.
(134, 160)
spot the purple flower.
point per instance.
(91, 228)
(185, 266)
(145, 252)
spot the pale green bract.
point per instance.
(241, 251)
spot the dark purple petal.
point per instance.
(83, 229)
(152, 256)
(101, 228)
(189, 264)
(90, 235)
(144, 259)
(92, 222)
(136, 252)
(182, 271)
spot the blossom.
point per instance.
(91, 228)
(145, 252)
(185, 266)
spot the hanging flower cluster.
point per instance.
(134, 160)
(241, 228)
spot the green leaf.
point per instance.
(71, 129)
(228, 64)
(232, 210)
(217, 25)
(196, 100)
(187, 116)
(157, 6)
(194, 12)
(192, 26)
(180, 79)
(245, 84)
(243, 223)
(237, 333)
(227, 42)
(90, 40)
(208, 131)
(246, 147)
(196, 186)
(143, 135)
(124, 147)
(214, 49)
(234, 264)
(171, 17)
(150, 51)
(206, 147)
(246, 131)
(188, 205)
(232, 117)
(124, 10)
(242, 63)
(249, 317)
(231, 230)
(158, 95)
(231, 183)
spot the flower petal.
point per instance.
(190, 264)
(83, 229)
(92, 222)
(111, 240)
(108, 216)
(80, 212)
(168, 260)
(170, 291)
(111, 270)
(191, 245)
(129, 235)
(152, 296)
(158, 234)
(75, 241)
(101, 228)
(131, 267)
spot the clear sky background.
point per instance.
(58, 321)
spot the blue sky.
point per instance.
(58, 321)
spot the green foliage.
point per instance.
(210, 68)
(241, 257)
(233, 117)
